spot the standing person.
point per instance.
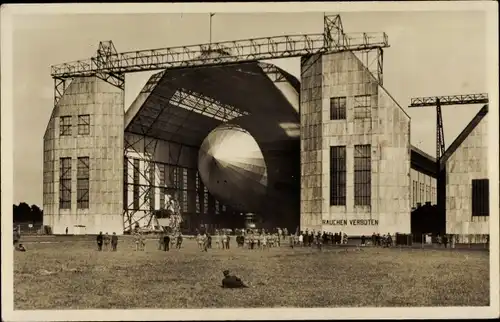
(106, 242)
(166, 242)
(223, 238)
(253, 240)
(228, 241)
(205, 242)
(160, 241)
(136, 240)
(199, 239)
(363, 240)
(66, 230)
(263, 242)
(114, 242)
(142, 241)
(291, 240)
(301, 239)
(389, 240)
(217, 239)
(99, 241)
(374, 239)
(209, 241)
(445, 241)
(179, 241)
(319, 241)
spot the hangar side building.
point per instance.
(464, 171)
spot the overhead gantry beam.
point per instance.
(449, 100)
(333, 39)
(439, 101)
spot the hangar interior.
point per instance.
(167, 123)
(110, 170)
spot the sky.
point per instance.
(431, 53)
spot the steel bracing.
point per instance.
(439, 101)
(111, 66)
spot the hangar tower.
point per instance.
(355, 149)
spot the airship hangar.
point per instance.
(231, 139)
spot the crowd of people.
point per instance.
(245, 238)
(104, 241)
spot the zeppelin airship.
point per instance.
(253, 165)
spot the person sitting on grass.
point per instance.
(20, 248)
(232, 281)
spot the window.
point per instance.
(480, 197)
(362, 175)
(125, 183)
(205, 201)
(185, 201)
(428, 192)
(65, 126)
(362, 106)
(82, 183)
(198, 203)
(415, 186)
(337, 176)
(434, 201)
(337, 108)
(217, 207)
(184, 183)
(65, 183)
(152, 190)
(136, 191)
(163, 190)
(84, 124)
(199, 194)
(422, 196)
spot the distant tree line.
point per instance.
(24, 213)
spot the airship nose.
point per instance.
(232, 166)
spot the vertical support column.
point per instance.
(380, 65)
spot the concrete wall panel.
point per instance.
(468, 162)
(311, 142)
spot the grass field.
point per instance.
(72, 275)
